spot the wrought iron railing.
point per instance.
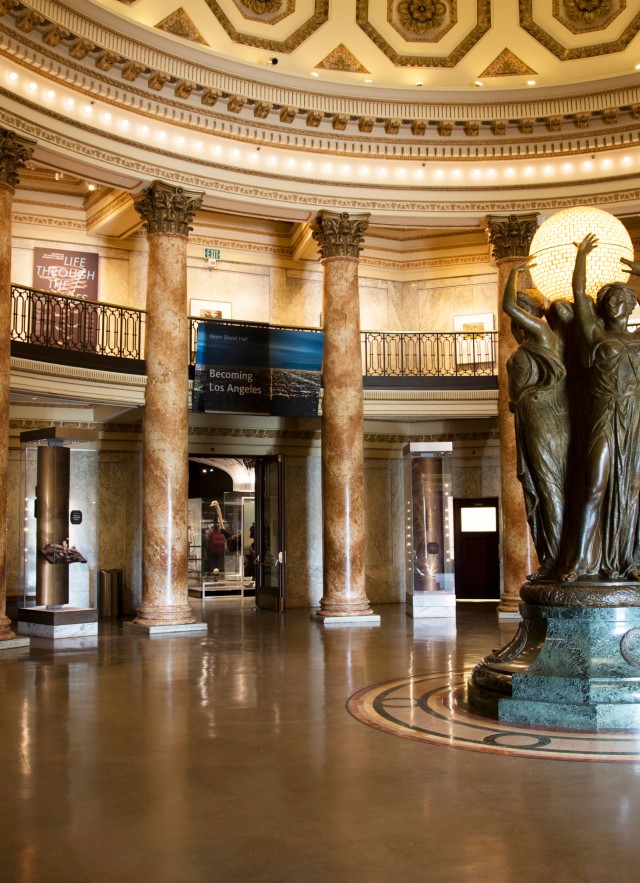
(76, 325)
(72, 324)
(424, 354)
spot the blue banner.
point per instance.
(256, 369)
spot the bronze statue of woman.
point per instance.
(537, 392)
(606, 533)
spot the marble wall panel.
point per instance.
(374, 305)
(384, 560)
(247, 292)
(113, 280)
(22, 264)
(476, 477)
(463, 296)
(136, 295)
(303, 302)
(396, 306)
(303, 531)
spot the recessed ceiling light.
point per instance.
(419, 83)
(12, 77)
(315, 74)
(368, 81)
(638, 67)
(479, 83)
(531, 82)
(32, 86)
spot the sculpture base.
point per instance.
(574, 663)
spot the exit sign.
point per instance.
(212, 253)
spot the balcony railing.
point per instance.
(102, 333)
(71, 324)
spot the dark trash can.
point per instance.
(110, 593)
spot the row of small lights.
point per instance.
(252, 156)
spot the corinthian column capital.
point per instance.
(339, 234)
(168, 209)
(15, 151)
(510, 235)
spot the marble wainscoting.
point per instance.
(475, 468)
(296, 299)
(303, 530)
(384, 530)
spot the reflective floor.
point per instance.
(232, 758)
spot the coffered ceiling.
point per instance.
(428, 114)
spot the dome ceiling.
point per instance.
(442, 44)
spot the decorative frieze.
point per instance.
(167, 209)
(339, 234)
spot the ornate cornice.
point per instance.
(15, 151)
(167, 209)
(339, 234)
(510, 235)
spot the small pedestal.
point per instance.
(15, 643)
(57, 622)
(431, 605)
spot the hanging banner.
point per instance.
(57, 321)
(256, 369)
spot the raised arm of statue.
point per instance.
(537, 327)
(589, 325)
(631, 266)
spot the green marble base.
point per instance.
(586, 674)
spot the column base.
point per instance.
(431, 605)
(169, 630)
(14, 643)
(57, 622)
(346, 619)
(504, 615)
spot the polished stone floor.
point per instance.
(232, 757)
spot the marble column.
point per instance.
(15, 151)
(343, 529)
(510, 237)
(166, 211)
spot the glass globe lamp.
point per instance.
(554, 252)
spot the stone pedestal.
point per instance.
(431, 605)
(169, 631)
(58, 622)
(574, 663)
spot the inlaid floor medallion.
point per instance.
(431, 708)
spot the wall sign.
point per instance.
(66, 272)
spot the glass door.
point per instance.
(270, 558)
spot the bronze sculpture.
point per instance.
(600, 534)
(538, 399)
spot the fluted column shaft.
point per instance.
(14, 153)
(339, 237)
(167, 212)
(511, 237)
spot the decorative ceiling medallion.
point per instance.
(426, 20)
(302, 33)
(579, 16)
(341, 59)
(180, 25)
(483, 23)
(565, 53)
(267, 11)
(507, 65)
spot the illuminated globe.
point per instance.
(554, 252)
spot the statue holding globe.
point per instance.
(599, 533)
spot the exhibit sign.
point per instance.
(257, 369)
(74, 273)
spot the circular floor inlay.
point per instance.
(429, 709)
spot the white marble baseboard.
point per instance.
(14, 643)
(70, 630)
(350, 619)
(159, 631)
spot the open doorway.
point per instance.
(476, 545)
(236, 535)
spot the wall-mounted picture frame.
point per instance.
(474, 346)
(209, 309)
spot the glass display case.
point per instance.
(222, 545)
(430, 580)
(59, 485)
